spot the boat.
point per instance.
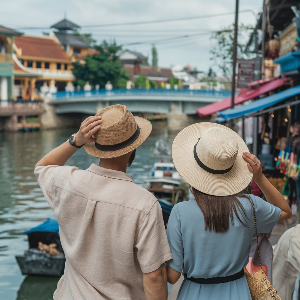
(45, 254)
(164, 182)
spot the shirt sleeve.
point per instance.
(46, 177)
(175, 241)
(267, 215)
(152, 243)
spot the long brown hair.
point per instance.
(219, 211)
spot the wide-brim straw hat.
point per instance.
(120, 133)
(208, 156)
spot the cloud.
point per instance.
(194, 51)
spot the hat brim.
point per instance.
(233, 182)
(145, 130)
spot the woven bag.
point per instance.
(259, 285)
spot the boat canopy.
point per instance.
(50, 225)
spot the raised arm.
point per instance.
(61, 154)
(272, 195)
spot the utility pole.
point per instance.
(234, 58)
(264, 24)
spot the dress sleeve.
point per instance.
(267, 215)
(175, 241)
(152, 243)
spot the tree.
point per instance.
(222, 52)
(154, 57)
(173, 81)
(211, 73)
(101, 67)
(143, 82)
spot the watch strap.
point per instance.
(73, 143)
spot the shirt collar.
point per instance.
(109, 173)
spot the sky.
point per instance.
(168, 38)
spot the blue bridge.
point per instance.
(156, 101)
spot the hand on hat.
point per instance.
(87, 130)
(254, 166)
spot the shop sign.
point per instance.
(245, 72)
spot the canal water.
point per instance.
(22, 204)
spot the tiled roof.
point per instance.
(65, 24)
(137, 54)
(71, 39)
(40, 47)
(150, 71)
(9, 31)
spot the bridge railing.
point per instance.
(141, 92)
(24, 107)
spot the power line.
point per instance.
(163, 40)
(148, 22)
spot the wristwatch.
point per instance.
(72, 141)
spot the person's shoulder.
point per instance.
(141, 198)
(247, 198)
(184, 206)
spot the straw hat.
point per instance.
(208, 156)
(120, 133)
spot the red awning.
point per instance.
(242, 96)
(260, 82)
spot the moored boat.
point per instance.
(164, 181)
(45, 254)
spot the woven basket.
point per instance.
(260, 287)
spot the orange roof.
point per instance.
(40, 47)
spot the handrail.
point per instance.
(141, 92)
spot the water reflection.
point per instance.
(22, 204)
(37, 288)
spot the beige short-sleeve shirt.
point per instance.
(111, 231)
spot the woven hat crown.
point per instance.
(217, 148)
(118, 125)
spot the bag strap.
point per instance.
(255, 227)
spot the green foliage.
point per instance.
(154, 57)
(122, 81)
(101, 67)
(140, 82)
(211, 73)
(222, 52)
(173, 81)
(143, 82)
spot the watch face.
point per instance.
(72, 139)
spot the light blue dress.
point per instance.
(205, 254)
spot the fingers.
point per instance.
(251, 156)
(248, 160)
(253, 163)
(250, 168)
(94, 130)
(90, 125)
(89, 120)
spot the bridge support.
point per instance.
(50, 120)
(177, 119)
(9, 124)
(177, 122)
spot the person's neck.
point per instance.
(113, 164)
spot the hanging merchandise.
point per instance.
(287, 165)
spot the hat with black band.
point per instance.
(120, 133)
